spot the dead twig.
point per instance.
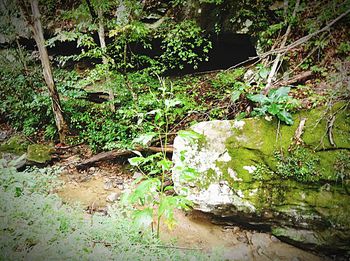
(330, 131)
(299, 132)
(296, 79)
(279, 56)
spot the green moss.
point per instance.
(300, 164)
(39, 153)
(315, 131)
(334, 165)
(241, 157)
(16, 144)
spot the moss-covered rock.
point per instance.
(17, 144)
(263, 173)
(39, 153)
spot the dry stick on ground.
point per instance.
(280, 55)
(302, 77)
(280, 80)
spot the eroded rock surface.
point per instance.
(260, 172)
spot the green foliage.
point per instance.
(151, 191)
(224, 80)
(25, 101)
(342, 166)
(276, 103)
(300, 164)
(36, 225)
(343, 48)
(183, 43)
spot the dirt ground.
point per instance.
(194, 230)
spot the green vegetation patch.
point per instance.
(35, 225)
(17, 144)
(39, 153)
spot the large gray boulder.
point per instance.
(293, 179)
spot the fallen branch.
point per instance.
(108, 155)
(274, 68)
(300, 78)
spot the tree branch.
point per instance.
(280, 55)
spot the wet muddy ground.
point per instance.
(97, 187)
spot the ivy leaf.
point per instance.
(143, 218)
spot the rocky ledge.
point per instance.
(295, 180)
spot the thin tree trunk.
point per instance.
(101, 36)
(36, 27)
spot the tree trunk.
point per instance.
(36, 27)
(101, 36)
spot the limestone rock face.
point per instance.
(264, 173)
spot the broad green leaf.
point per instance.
(135, 161)
(264, 72)
(144, 190)
(165, 164)
(235, 96)
(144, 139)
(167, 188)
(259, 98)
(277, 94)
(273, 109)
(143, 218)
(189, 135)
(166, 209)
(171, 103)
(285, 117)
